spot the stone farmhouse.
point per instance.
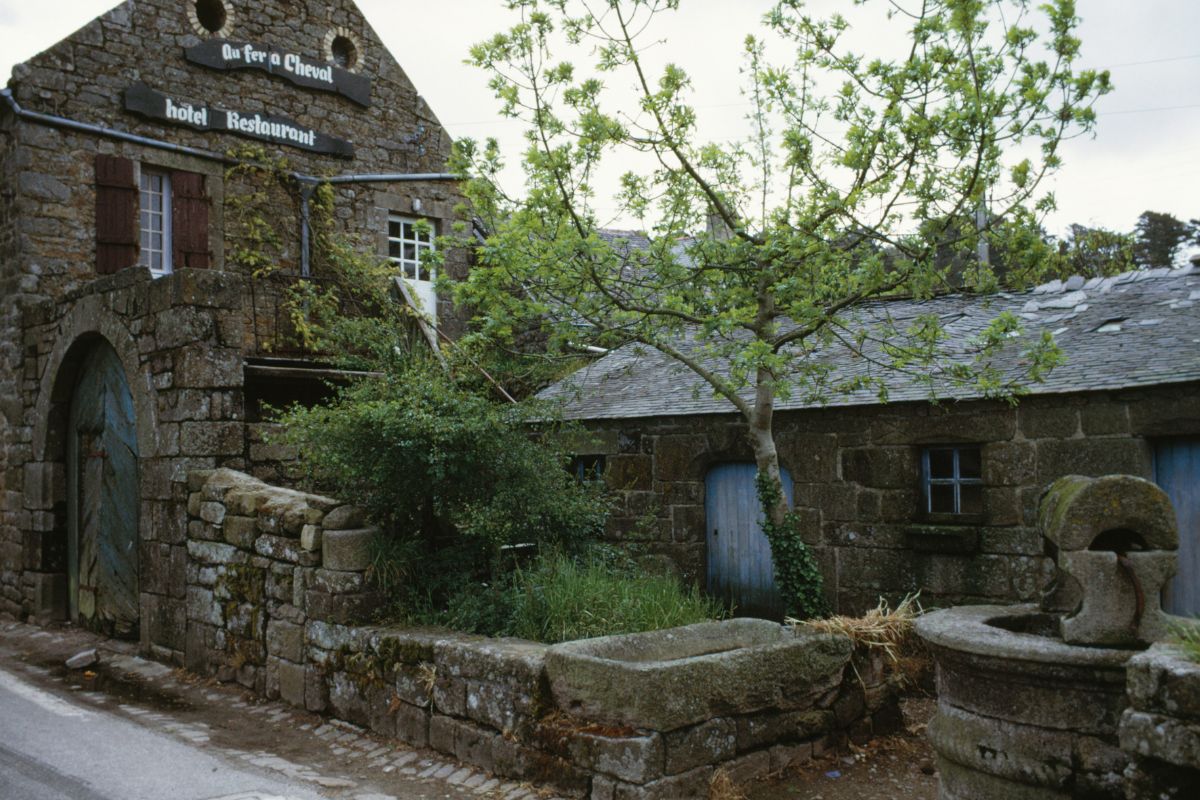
(912, 496)
(136, 342)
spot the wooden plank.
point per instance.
(1177, 471)
(740, 568)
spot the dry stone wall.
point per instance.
(1160, 731)
(278, 598)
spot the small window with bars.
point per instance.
(155, 221)
(953, 480)
(587, 469)
(410, 243)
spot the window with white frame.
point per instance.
(410, 246)
(155, 221)
(410, 243)
(953, 479)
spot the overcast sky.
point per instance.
(1146, 154)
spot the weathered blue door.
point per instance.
(740, 570)
(1177, 471)
(104, 498)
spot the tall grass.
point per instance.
(560, 599)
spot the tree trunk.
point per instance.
(762, 440)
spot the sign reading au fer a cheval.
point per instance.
(141, 99)
(226, 55)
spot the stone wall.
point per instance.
(84, 78)
(1160, 731)
(184, 340)
(857, 484)
(278, 600)
(178, 341)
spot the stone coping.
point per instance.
(966, 629)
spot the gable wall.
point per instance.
(186, 336)
(858, 489)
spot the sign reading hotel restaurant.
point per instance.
(226, 55)
(141, 99)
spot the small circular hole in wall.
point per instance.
(344, 51)
(211, 14)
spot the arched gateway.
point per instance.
(103, 497)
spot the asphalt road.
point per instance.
(55, 748)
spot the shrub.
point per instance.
(450, 476)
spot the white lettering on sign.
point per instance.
(258, 126)
(296, 65)
(188, 113)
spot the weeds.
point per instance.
(1185, 634)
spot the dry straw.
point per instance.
(881, 628)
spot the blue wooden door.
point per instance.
(1177, 471)
(740, 569)
(104, 498)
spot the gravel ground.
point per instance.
(898, 767)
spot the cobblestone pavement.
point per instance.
(333, 759)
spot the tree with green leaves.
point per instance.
(755, 252)
(1096, 252)
(1158, 238)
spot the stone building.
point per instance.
(142, 304)
(912, 496)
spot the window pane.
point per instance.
(941, 463)
(969, 462)
(394, 249)
(970, 499)
(410, 252)
(424, 273)
(394, 229)
(941, 498)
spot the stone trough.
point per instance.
(669, 679)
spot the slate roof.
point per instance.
(1156, 341)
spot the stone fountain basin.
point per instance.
(664, 680)
(1022, 713)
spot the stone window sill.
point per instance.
(943, 538)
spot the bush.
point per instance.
(450, 476)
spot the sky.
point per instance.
(1145, 154)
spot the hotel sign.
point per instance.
(141, 99)
(226, 55)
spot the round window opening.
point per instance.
(211, 14)
(345, 53)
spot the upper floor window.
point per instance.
(410, 243)
(151, 217)
(155, 224)
(952, 479)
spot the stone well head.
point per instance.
(1115, 539)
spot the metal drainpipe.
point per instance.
(112, 133)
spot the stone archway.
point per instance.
(103, 499)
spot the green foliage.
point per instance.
(1096, 252)
(797, 574)
(451, 476)
(1185, 634)
(1158, 238)
(563, 598)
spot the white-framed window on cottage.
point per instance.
(410, 248)
(155, 221)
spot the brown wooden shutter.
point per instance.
(116, 214)
(189, 221)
